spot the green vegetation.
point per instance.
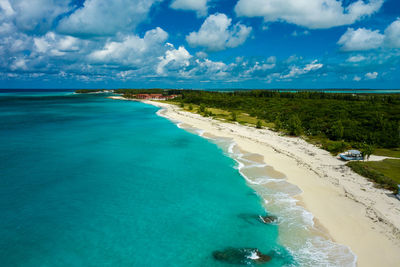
(334, 121)
(385, 173)
(395, 152)
(87, 91)
(233, 116)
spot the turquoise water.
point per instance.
(89, 181)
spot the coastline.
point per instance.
(345, 206)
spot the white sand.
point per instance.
(346, 205)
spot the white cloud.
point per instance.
(296, 71)
(37, 15)
(174, 59)
(216, 33)
(200, 6)
(313, 14)
(364, 39)
(55, 44)
(259, 68)
(296, 33)
(19, 64)
(201, 54)
(357, 78)
(105, 18)
(132, 50)
(392, 34)
(6, 8)
(360, 40)
(209, 70)
(371, 75)
(355, 59)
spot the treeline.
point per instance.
(131, 92)
(87, 91)
(358, 119)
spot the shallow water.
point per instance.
(308, 245)
(90, 181)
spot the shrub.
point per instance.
(202, 108)
(233, 116)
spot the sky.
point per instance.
(200, 44)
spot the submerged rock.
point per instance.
(241, 256)
(267, 219)
(255, 219)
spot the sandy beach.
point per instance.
(346, 207)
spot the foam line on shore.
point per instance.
(327, 253)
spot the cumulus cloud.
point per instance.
(313, 14)
(174, 59)
(364, 39)
(216, 33)
(131, 50)
(6, 8)
(200, 6)
(259, 68)
(211, 70)
(392, 34)
(360, 39)
(296, 71)
(105, 18)
(371, 75)
(56, 45)
(355, 59)
(35, 15)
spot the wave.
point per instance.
(298, 232)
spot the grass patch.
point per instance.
(385, 173)
(395, 152)
(225, 115)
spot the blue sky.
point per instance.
(199, 43)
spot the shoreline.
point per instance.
(345, 206)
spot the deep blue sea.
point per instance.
(90, 181)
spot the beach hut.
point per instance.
(352, 155)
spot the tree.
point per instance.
(294, 125)
(259, 124)
(202, 108)
(367, 150)
(337, 130)
(233, 116)
(190, 107)
(278, 124)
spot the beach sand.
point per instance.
(346, 207)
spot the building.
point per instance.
(155, 96)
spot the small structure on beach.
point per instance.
(352, 155)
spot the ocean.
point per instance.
(91, 181)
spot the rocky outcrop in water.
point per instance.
(243, 256)
(267, 219)
(256, 219)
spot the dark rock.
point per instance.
(241, 256)
(267, 219)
